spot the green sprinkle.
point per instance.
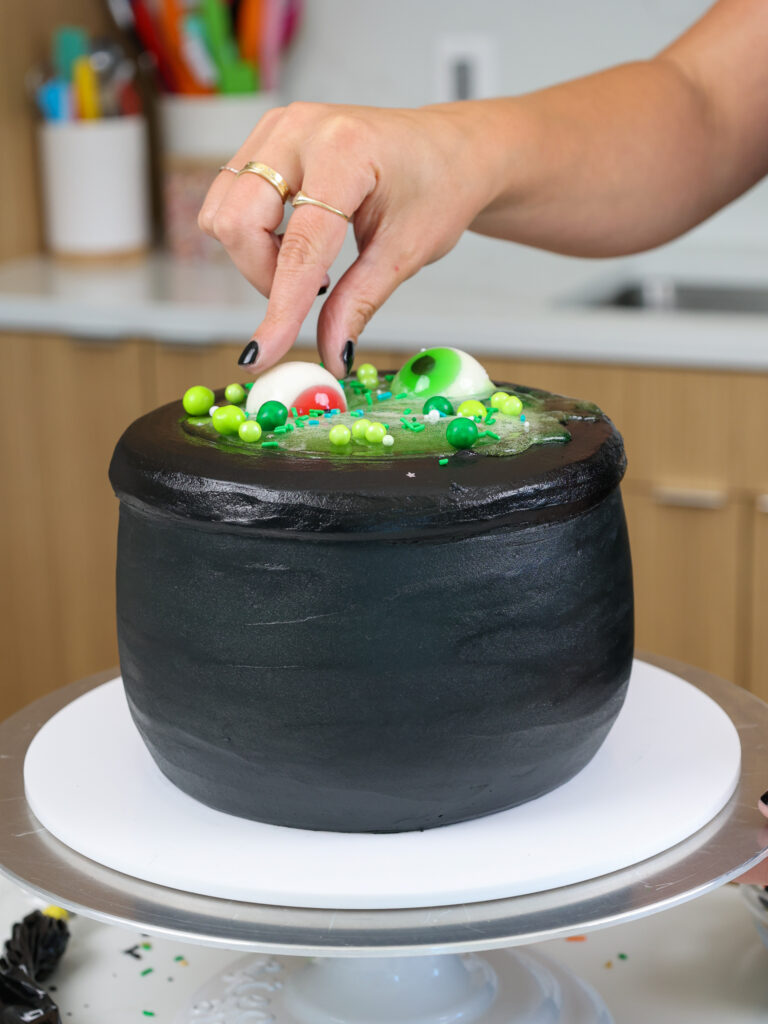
(389, 376)
(249, 385)
(280, 430)
(368, 398)
(356, 413)
(442, 462)
(403, 394)
(270, 444)
(623, 956)
(489, 416)
(178, 959)
(294, 412)
(146, 945)
(147, 971)
(415, 427)
(317, 412)
(148, 1013)
(489, 433)
(406, 412)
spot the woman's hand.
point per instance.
(411, 182)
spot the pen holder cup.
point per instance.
(95, 187)
(199, 134)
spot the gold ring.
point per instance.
(226, 167)
(276, 180)
(303, 200)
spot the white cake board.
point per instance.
(670, 764)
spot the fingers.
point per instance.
(360, 292)
(311, 243)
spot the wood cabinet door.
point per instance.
(689, 550)
(758, 638)
(65, 405)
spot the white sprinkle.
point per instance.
(433, 415)
(387, 440)
(527, 426)
(410, 474)
(212, 410)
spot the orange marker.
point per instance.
(250, 25)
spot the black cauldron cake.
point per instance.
(381, 604)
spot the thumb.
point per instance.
(359, 293)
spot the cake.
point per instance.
(393, 602)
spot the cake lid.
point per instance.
(171, 463)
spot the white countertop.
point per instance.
(700, 963)
(488, 297)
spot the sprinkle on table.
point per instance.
(623, 956)
(442, 462)
(270, 444)
(146, 971)
(148, 1013)
(576, 938)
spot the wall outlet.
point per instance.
(466, 65)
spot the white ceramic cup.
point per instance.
(95, 186)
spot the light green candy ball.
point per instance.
(227, 419)
(197, 400)
(339, 435)
(375, 433)
(498, 398)
(512, 406)
(235, 393)
(249, 431)
(359, 428)
(471, 408)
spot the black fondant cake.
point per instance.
(384, 638)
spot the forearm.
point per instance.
(629, 158)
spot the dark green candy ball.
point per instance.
(440, 403)
(461, 433)
(271, 415)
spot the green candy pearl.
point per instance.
(367, 370)
(339, 435)
(498, 398)
(461, 433)
(249, 431)
(376, 433)
(235, 393)
(271, 414)
(439, 402)
(471, 407)
(198, 400)
(227, 419)
(359, 428)
(512, 406)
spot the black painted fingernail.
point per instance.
(348, 355)
(764, 798)
(323, 290)
(250, 353)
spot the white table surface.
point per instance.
(487, 296)
(702, 962)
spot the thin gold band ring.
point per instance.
(226, 167)
(275, 179)
(300, 199)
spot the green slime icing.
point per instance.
(548, 415)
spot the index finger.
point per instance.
(312, 241)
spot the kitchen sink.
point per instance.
(666, 294)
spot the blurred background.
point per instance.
(114, 117)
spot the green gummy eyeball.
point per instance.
(376, 433)
(271, 414)
(498, 398)
(512, 406)
(359, 428)
(235, 393)
(249, 431)
(197, 400)
(227, 419)
(471, 407)
(339, 434)
(461, 433)
(439, 402)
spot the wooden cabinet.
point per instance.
(696, 495)
(65, 404)
(758, 593)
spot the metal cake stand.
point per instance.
(392, 965)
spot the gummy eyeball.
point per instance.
(299, 386)
(443, 371)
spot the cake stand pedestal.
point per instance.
(414, 965)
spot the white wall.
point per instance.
(385, 53)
